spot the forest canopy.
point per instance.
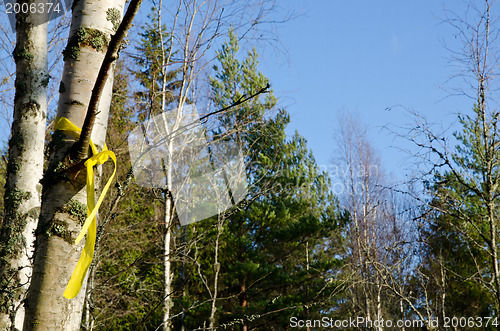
(155, 134)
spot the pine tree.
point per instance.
(462, 233)
(277, 249)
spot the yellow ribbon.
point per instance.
(90, 225)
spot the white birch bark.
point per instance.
(25, 169)
(213, 307)
(62, 212)
(167, 290)
(167, 303)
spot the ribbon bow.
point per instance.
(90, 225)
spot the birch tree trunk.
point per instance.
(213, 307)
(64, 197)
(25, 167)
(167, 289)
(167, 303)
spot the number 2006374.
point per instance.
(470, 322)
(25, 8)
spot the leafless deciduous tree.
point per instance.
(461, 200)
(381, 236)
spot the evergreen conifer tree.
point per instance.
(278, 249)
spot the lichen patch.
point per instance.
(85, 37)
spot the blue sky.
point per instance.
(364, 56)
